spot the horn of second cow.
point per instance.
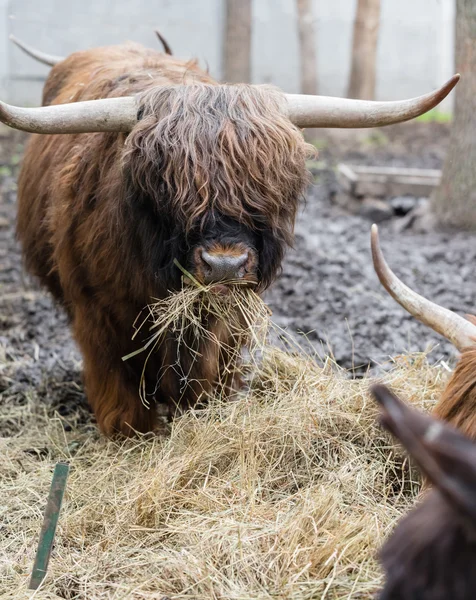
(456, 329)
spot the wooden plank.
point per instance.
(412, 186)
(346, 177)
(363, 170)
(370, 188)
(365, 181)
(409, 186)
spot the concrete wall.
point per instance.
(415, 52)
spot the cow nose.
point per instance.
(222, 267)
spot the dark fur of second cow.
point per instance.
(432, 552)
(204, 173)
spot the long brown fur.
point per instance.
(458, 402)
(206, 158)
(102, 215)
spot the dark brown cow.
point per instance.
(458, 402)
(158, 162)
(432, 552)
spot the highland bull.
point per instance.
(157, 161)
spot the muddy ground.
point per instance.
(328, 289)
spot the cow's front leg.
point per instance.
(112, 386)
(115, 402)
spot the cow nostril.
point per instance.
(224, 266)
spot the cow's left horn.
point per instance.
(324, 111)
(108, 114)
(456, 329)
(46, 59)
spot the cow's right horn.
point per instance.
(108, 114)
(46, 59)
(456, 329)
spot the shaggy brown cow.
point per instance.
(458, 402)
(432, 552)
(158, 162)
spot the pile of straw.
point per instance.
(287, 492)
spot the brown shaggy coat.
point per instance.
(103, 215)
(458, 402)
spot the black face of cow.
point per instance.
(220, 170)
(218, 249)
(221, 249)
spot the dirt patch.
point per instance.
(329, 289)
(36, 348)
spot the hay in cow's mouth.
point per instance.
(187, 314)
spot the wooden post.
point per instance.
(237, 42)
(307, 47)
(454, 203)
(364, 50)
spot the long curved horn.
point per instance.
(456, 329)
(46, 59)
(324, 111)
(120, 114)
(163, 41)
(108, 114)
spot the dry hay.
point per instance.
(287, 492)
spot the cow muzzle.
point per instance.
(233, 265)
(223, 267)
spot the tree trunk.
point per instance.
(364, 50)
(307, 47)
(237, 42)
(454, 202)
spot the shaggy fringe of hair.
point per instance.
(224, 148)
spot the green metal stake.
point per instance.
(50, 521)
